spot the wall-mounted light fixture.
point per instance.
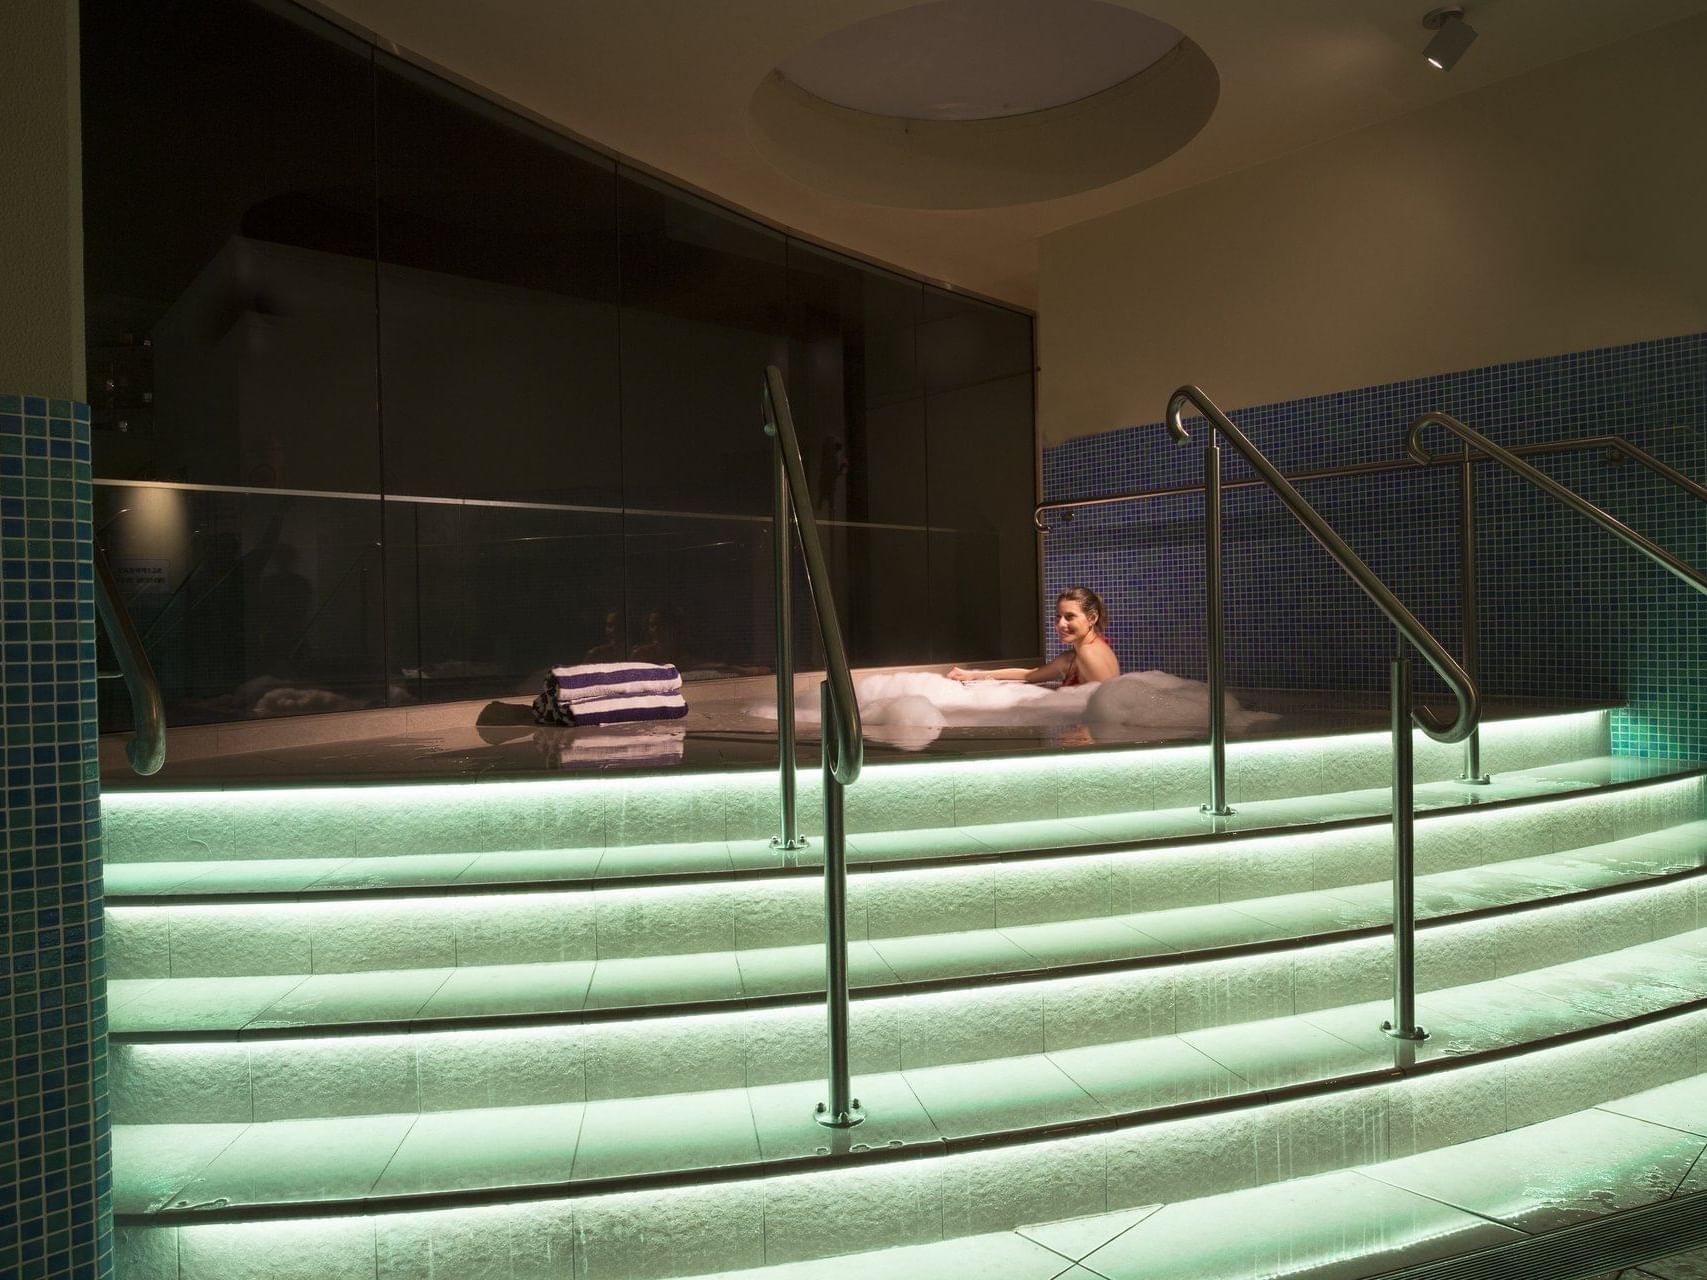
(1452, 35)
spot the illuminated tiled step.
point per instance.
(1364, 1222)
(568, 1058)
(713, 859)
(756, 974)
(596, 813)
(921, 1169)
(327, 934)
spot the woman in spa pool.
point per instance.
(1088, 659)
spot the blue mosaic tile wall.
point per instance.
(1566, 611)
(55, 1212)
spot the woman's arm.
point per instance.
(1056, 670)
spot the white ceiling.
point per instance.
(667, 84)
(979, 59)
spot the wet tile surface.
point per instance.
(783, 970)
(1083, 941)
(1536, 1178)
(188, 1004)
(1338, 1226)
(151, 1162)
(1003, 1256)
(1680, 1105)
(1461, 1020)
(675, 1131)
(496, 1147)
(1283, 1051)
(1689, 1265)
(378, 996)
(511, 988)
(664, 980)
(783, 1116)
(987, 1097)
(928, 956)
(1146, 1073)
(300, 1160)
(1075, 1237)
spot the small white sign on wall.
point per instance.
(138, 577)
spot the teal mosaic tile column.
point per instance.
(56, 1212)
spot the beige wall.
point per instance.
(1562, 210)
(41, 201)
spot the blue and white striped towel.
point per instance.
(610, 692)
(594, 680)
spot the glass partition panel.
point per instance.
(228, 240)
(249, 603)
(982, 481)
(882, 586)
(704, 310)
(401, 397)
(855, 386)
(700, 594)
(487, 596)
(963, 341)
(497, 301)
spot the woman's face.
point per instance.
(1071, 622)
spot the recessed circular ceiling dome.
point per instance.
(980, 59)
(961, 104)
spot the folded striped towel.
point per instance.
(595, 680)
(610, 692)
(638, 706)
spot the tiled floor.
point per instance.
(468, 1074)
(328, 999)
(164, 1165)
(1355, 1223)
(588, 866)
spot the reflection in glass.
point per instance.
(983, 546)
(228, 232)
(699, 594)
(492, 596)
(855, 388)
(704, 310)
(497, 312)
(247, 605)
(469, 400)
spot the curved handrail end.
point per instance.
(1189, 393)
(1475, 441)
(844, 743)
(1457, 679)
(146, 751)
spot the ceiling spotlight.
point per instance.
(1452, 35)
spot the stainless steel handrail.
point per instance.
(1610, 443)
(1570, 497)
(1403, 1024)
(843, 749)
(1615, 447)
(147, 748)
(1457, 680)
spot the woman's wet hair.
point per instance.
(1089, 602)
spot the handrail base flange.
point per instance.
(854, 1115)
(1398, 1033)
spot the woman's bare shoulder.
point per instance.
(1097, 662)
